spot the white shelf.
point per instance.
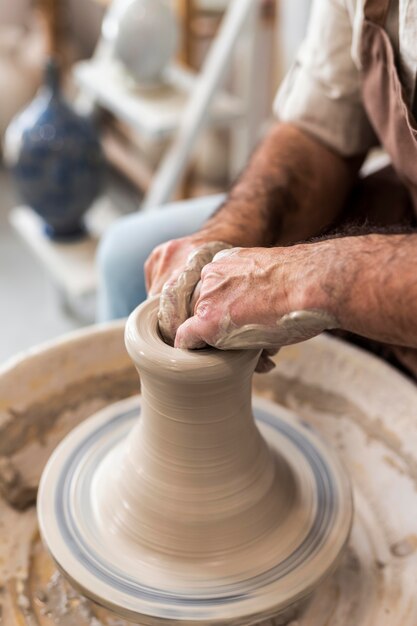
(155, 113)
(70, 264)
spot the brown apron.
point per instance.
(396, 129)
(384, 98)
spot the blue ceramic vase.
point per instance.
(55, 158)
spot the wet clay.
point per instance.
(363, 408)
(196, 500)
(180, 293)
(291, 328)
(26, 430)
(203, 463)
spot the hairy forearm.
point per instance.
(291, 190)
(369, 284)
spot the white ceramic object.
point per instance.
(195, 513)
(143, 35)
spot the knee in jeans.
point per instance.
(114, 259)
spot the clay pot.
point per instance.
(197, 512)
(143, 35)
(195, 407)
(55, 159)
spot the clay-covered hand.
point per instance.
(178, 295)
(180, 292)
(167, 259)
(261, 298)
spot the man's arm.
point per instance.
(270, 297)
(371, 287)
(292, 189)
(301, 174)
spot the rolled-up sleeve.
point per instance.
(322, 91)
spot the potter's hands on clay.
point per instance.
(173, 270)
(183, 260)
(261, 298)
(166, 259)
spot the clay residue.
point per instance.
(382, 595)
(295, 393)
(35, 422)
(13, 486)
(291, 328)
(394, 462)
(405, 547)
(176, 303)
(27, 440)
(64, 606)
(50, 598)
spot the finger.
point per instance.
(175, 301)
(189, 334)
(156, 288)
(224, 253)
(149, 269)
(163, 272)
(160, 273)
(165, 260)
(195, 296)
(172, 308)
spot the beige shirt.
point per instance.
(322, 91)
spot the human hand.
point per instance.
(173, 269)
(260, 298)
(167, 259)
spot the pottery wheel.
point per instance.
(363, 409)
(202, 509)
(196, 591)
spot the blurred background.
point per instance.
(109, 107)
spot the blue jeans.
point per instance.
(128, 243)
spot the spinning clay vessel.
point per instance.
(191, 506)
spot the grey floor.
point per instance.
(29, 307)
